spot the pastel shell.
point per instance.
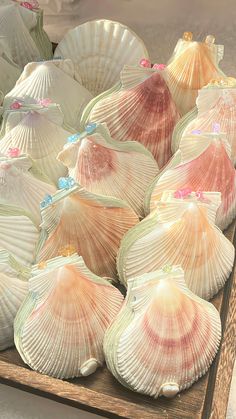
(192, 65)
(107, 167)
(42, 139)
(59, 329)
(91, 224)
(100, 49)
(166, 356)
(44, 80)
(180, 231)
(142, 110)
(9, 71)
(205, 165)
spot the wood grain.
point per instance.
(102, 394)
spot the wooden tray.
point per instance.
(102, 394)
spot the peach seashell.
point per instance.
(93, 224)
(166, 356)
(205, 165)
(192, 65)
(60, 327)
(107, 167)
(178, 232)
(142, 110)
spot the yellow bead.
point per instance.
(187, 36)
(42, 265)
(67, 250)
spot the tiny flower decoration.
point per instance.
(159, 66)
(44, 102)
(16, 105)
(14, 152)
(145, 63)
(201, 197)
(216, 127)
(167, 269)
(46, 202)
(90, 128)
(196, 131)
(73, 138)
(65, 182)
(182, 193)
(68, 250)
(32, 4)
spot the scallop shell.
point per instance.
(59, 329)
(15, 29)
(19, 188)
(91, 224)
(16, 227)
(192, 65)
(142, 110)
(107, 167)
(180, 231)
(9, 71)
(167, 356)
(12, 292)
(215, 103)
(42, 139)
(44, 80)
(100, 49)
(195, 172)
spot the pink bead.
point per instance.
(15, 105)
(27, 5)
(14, 152)
(145, 63)
(44, 102)
(182, 193)
(159, 66)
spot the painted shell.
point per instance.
(19, 188)
(17, 228)
(43, 80)
(179, 232)
(205, 166)
(91, 224)
(142, 110)
(107, 167)
(100, 49)
(192, 65)
(59, 329)
(216, 103)
(164, 357)
(13, 290)
(37, 136)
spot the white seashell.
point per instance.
(19, 188)
(44, 80)
(93, 225)
(180, 231)
(16, 228)
(100, 49)
(166, 356)
(111, 168)
(195, 172)
(59, 329)
(9, 71)
(37, 136)
(141, 110)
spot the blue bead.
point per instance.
(47, 201)
(70, 182)
(90, 128)
(73, 138)
(65, 182)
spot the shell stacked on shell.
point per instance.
(67, 311)
(141, 110)
(205, 166)
(192, 65)
(146, 347)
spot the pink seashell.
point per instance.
(159, 66)
(145, 63)
(14, 152)
(16, 105)
(45, 102)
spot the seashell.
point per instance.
(142, 110)
(215, 102)
(10, 72)
(19, 188)
(178, 232)
(91, 224)
(44, 80)
(12, 292)
(16, 227)
(38, 136)
(192, 65)
(107, 167)
(15, 29)
(67, 304)
(195, 172)
(100, 49)
(164, 357)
